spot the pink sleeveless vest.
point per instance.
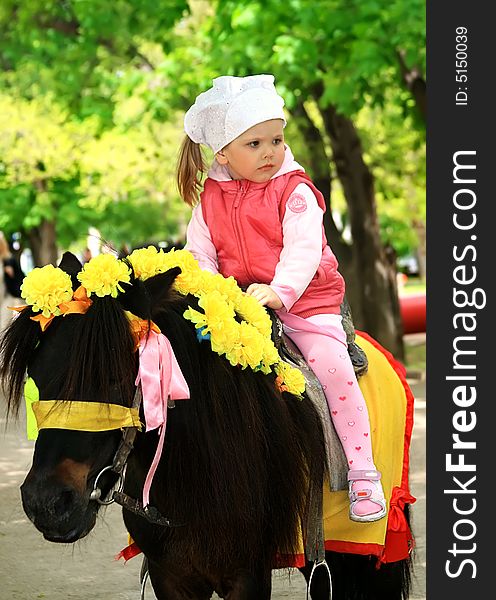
(245, 223)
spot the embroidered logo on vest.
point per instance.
(297, 203)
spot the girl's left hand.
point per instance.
(265, 295)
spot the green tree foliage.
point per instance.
(52, 169)
(40, 150)
(356, 49)
(73, 48)
(128, 183)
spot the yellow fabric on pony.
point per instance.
(387, 406)
(84, 416)
(31, 395)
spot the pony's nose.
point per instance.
(48, 505)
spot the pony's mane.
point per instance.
(17, 344)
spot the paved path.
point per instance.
(33, 569)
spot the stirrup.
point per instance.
(376, 495)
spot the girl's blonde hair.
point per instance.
(190, 169)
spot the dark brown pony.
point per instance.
(238, 460)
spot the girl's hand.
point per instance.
(265, 295)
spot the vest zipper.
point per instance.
(237, 228)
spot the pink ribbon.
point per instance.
(161, 378)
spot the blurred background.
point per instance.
(92, 98)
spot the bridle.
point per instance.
(118, 466)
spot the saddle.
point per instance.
(336, 461)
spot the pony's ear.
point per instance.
(71, 265)
(159, 287)
(144, 298)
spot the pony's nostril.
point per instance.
(64, 502)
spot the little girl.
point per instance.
(260, 220)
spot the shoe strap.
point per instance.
(371, 474)
(358, 495)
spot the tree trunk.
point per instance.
(321, 176)
(415, 82)
(43, 243)
(421, 253)
(370, 276)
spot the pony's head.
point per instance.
(86, 357)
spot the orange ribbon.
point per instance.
(79, 304)
(18, 309)
(140, 328)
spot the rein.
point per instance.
(118, 466)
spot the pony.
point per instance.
(232, 486)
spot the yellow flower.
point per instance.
(190, 279)
(197, 318)
(217, 310)
(253, 344)
(293, 380)
(270, 356)
(45, 288)
(103, 275)
(148, 262)
(227, 286)
(252, 311)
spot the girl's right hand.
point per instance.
(265, 295)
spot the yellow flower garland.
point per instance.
(236, 324)
(245, 340)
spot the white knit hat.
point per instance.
(230, 107)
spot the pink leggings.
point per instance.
(327, 355)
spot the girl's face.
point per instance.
(257, 154)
